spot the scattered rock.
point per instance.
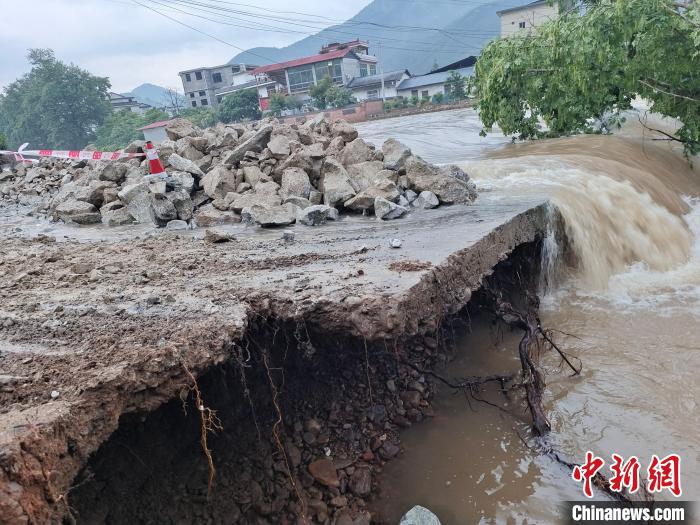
(387, 210)
(419, 516)
(426, 201)
(395, 154)
(315, 215)
(209, 216)
(182, 164)
(162, 210)
(177, 225)
(214, 236)
(324, 472)
(79, 212)
(268, 216)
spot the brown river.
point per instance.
(631, 312)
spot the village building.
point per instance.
(120, 102)
(381, 86)
(341, 62)
(426, 86)
(206, 86)
(525, 18)
(155, 132)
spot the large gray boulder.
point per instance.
(111, 171)
(335, 183)
(295, 182)
(426, 177)
(182, 202)
(116, 217)
(254, 199)
(219, 181)
(364, 174)
(458, 173)
(419, 516)
(386, 210)
(162, 210)
(182, 164)
(316, 215)
(341, 128)
(209, 216)
(357, 151)
(186, 180)
(180, 127)
(426, 200)
(395, 154)
(364, 200)
(269, 217)
(279, 146)
(79, 212)
(252, 175)
(257, 142)
(138, 201)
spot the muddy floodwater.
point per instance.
(630, 310)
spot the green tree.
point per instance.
(239, 106)
(339, 96)
(278, 103)
(589, 65)
(438, 98)
(319, 93)
(456, 86)
(54, 105)
(122, 127)
(202, 117)
(3, 142)
(118, 130)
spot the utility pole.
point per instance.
(381, 71)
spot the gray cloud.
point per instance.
(132, 45)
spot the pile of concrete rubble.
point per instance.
(265, 173)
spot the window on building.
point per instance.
(300, 78)
(202, 93)
(373, 69)
(236, 69)
(198, 75)
(192, 95)
(194, 103)
(216, 77)
(188, 78)
(521, 25)
(331, 68)
(424, 94)
(205, 102)
(363, 70)
(414, 93)
(271, 90)
(372, 94)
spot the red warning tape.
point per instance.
(70, 154)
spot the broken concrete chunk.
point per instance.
(426, 200)
(315, 215)
(365, 199)
(182, 164)
(268, 217)
(219, 181)
(257, 142)
(162, 210)
(426, 177)
(336, 184)
(386, 210)
(210, 216)
(79, 212)
(395, 154)
(180, 127)
(295, 182)
(341, 128)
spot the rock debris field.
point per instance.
(267, 173)
(101, 335)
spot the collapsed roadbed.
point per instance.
(106, 345)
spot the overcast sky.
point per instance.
(132, 45)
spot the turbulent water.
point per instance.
(631, 307)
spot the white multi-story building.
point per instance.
(206, 86)
(523, 19)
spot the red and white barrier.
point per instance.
(69, 154)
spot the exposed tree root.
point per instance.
(209, 422)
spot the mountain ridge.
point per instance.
(447, 32)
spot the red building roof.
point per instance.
(321, 57)
(158, 124)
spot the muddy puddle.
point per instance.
(631, 308)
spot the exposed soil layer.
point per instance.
(95, 335)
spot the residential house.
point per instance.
(206, 86)
(155, 132)
(370, 87)
(119, 102)
(341, 62)
(264, 86)
(523, 19)
(425, 86)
